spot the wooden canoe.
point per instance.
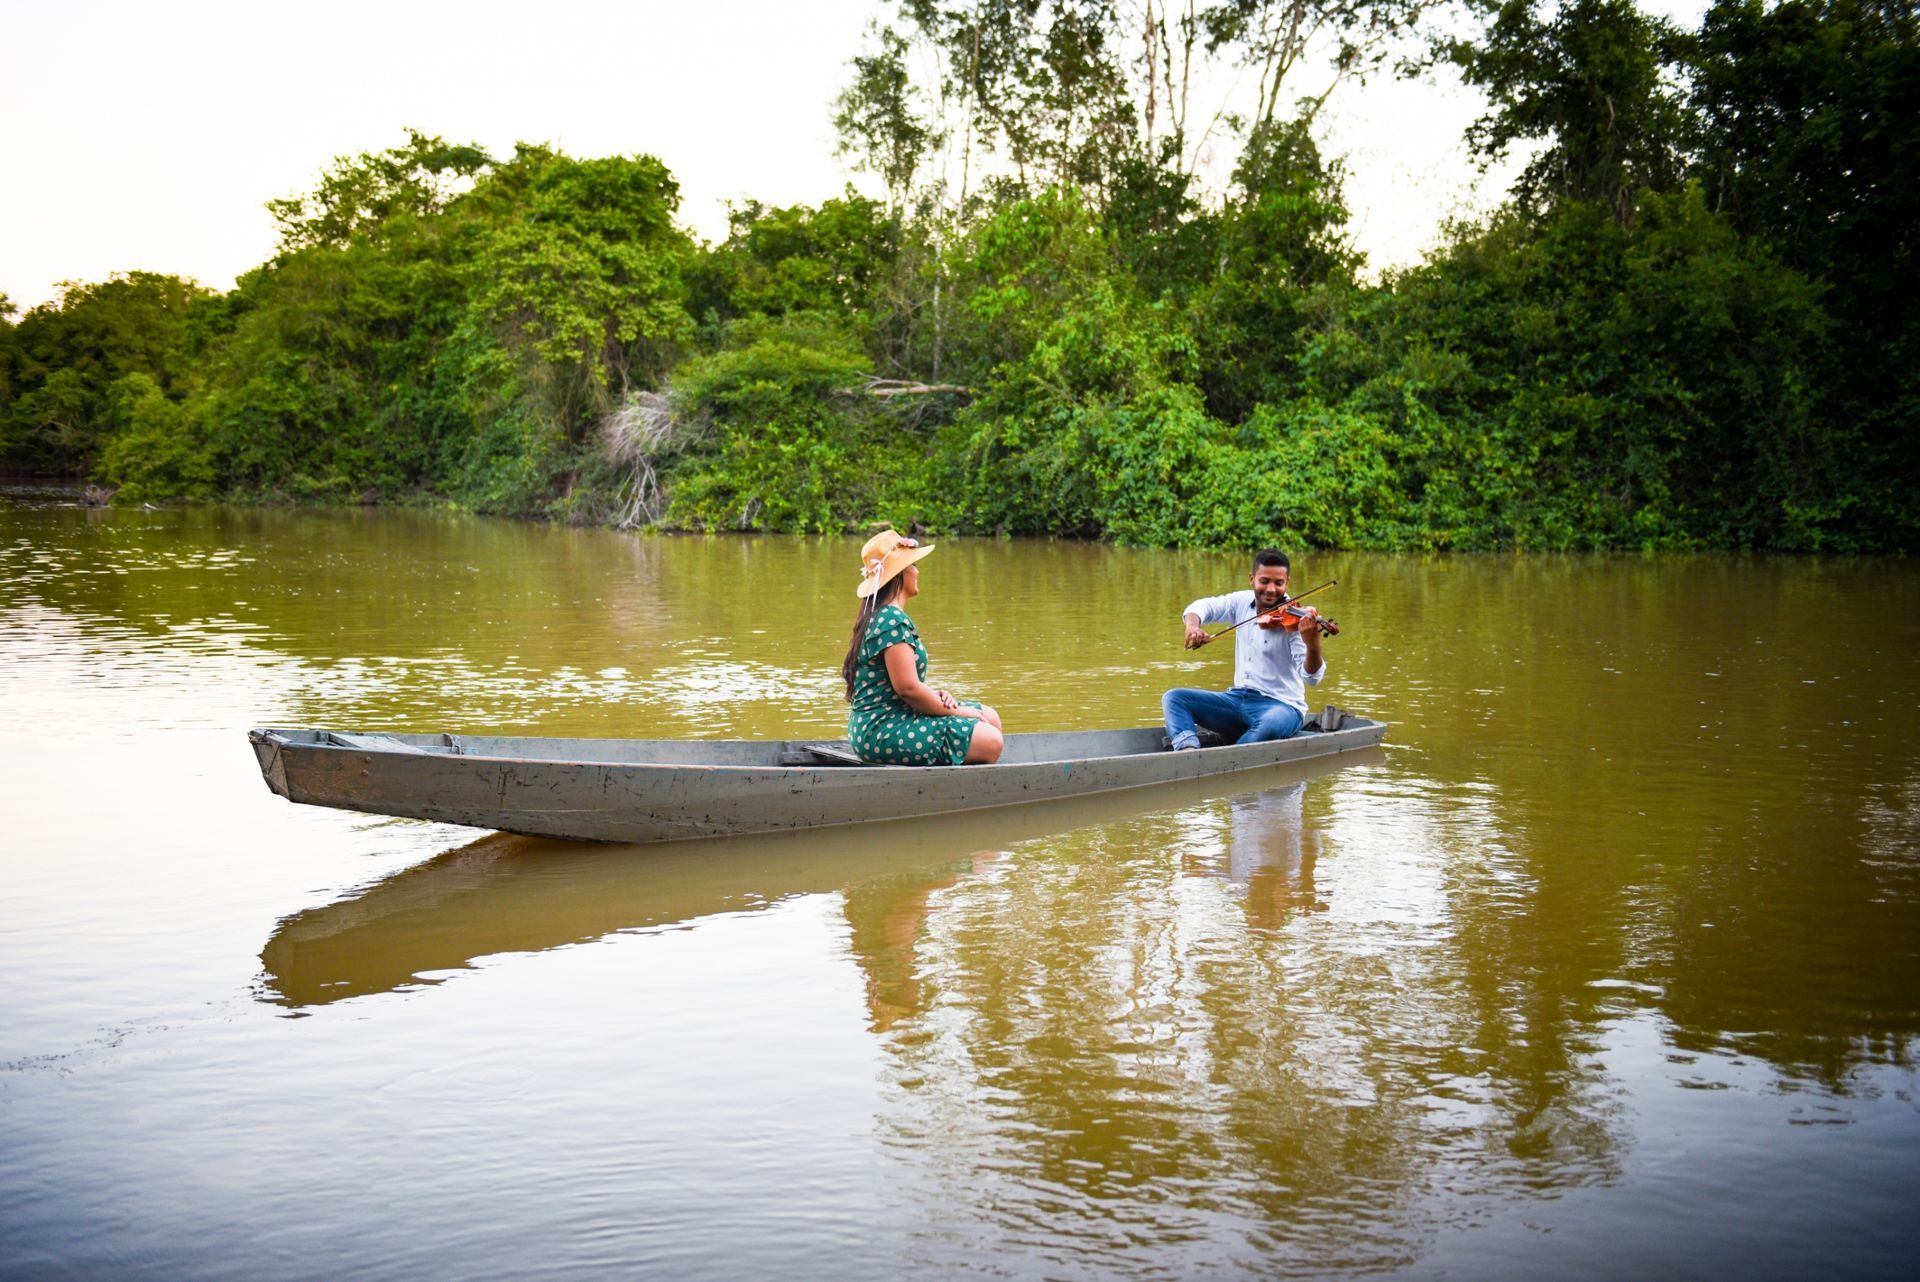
(644, 790)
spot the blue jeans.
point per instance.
(1245, 716)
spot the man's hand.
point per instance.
(1310, 625)
(1197, 636)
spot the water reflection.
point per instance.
(1269, 850)
(509, 894)
(1818, 982)
(1237, 1021)
(888, 920)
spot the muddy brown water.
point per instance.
(1608, 962)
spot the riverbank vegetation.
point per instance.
(1692, 323)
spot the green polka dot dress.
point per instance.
(882, 729)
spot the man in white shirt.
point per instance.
(1272, 667)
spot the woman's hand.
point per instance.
(903, 674)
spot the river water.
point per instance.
(1607, 963)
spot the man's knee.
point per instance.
(1275, 723)
(1175, 698)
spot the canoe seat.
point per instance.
(834, 755)
(370, 742)
(827, 754)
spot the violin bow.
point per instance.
(1284, 601)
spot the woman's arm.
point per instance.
(902, 665)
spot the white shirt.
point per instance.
(1272, 661)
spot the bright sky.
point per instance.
(148, 136)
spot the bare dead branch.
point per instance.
(886, 388)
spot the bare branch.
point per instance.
(886, 388)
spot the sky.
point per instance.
(148, 136)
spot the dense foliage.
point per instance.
(1691, 325)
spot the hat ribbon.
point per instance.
(874, 566)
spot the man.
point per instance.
(1272, 667)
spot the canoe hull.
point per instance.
(667, 790)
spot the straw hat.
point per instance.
(885, 555)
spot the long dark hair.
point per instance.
(884, 596)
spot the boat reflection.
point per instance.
(505, 894)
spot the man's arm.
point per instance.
(1208, 609)
(1197, 636)
(1311, 667)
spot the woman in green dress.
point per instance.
(897, 718)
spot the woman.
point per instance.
(897, 719)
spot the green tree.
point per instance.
(827, 260)
(573, 276)
(1573, 383)
(1810, 115)
(878, 121)
(1590, 82)
(155, 451)
(362, 196)
(1274, 38)
(1282, 235)
(1076, 91)
(9, 362)
(63, 357)
(1070, 362)
(322, 373)
(438, 320)
(785, 440)
(1042, 81)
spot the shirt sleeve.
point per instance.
(1300, 663)
(890, 627)
(1217, 609)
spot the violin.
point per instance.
(1286, 617)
